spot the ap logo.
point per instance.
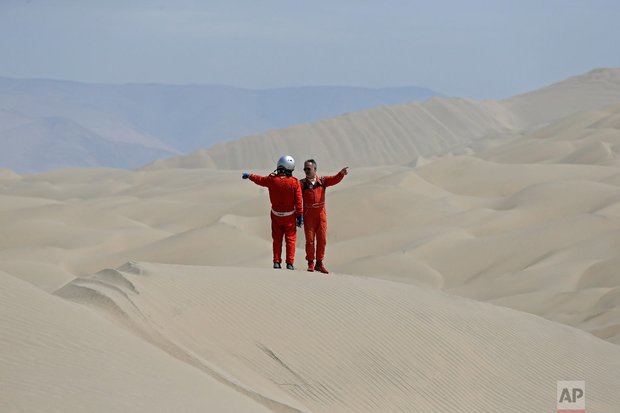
(571, 396)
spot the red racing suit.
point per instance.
(315, 218)
(286, 206)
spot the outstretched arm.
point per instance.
(333, 180)
(260, 180)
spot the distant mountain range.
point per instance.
(47, 124)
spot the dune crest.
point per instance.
(397, 134)
(379, 136)
(590, 138)
(598, 87)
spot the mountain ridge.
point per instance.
(168, 120)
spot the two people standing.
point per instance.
(293, 202)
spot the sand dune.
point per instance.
(521, 228)
(380, 136)
(340, 343)
(590, 137)
(403, 133)
(594, 89)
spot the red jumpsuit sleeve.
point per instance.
(299, 201)
(260, 180)
(332, 180)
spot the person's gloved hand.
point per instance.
(245, 176)
(300, 220)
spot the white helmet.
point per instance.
(287, 162)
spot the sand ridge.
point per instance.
(390, 135)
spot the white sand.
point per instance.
(424, 262)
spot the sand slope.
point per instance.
(599, 87)
(589, 137)
(380, 136)
(59, 357)
(341, 343)
(403, 133)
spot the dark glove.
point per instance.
(245, 176)
(300, 220)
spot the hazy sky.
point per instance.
(470, 48)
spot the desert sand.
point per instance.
(467, 282)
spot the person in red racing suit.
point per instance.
(286, 208)
(315, 218)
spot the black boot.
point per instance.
(320, 267)
(277, 265)
(290, 267)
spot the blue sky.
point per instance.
(470, 48)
